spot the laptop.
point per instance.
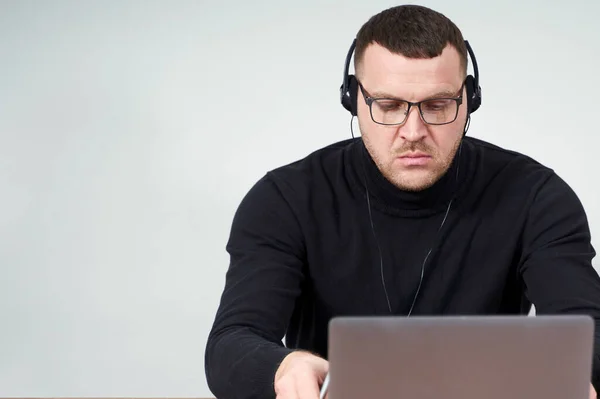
(460, 357)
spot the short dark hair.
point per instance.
(410, 30)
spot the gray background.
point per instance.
(130, 130)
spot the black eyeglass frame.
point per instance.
(370, 100)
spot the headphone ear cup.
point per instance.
(345, 97)
(469, 84)
(473, 94)
(353, 94)
(477, 99)
(348, 98)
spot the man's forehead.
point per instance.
(379, 63)
(386, 74)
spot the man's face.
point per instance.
(413, 155)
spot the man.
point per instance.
(413, 218)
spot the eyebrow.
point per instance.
(439, 94)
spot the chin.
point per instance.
(414, 187)
(415, 181)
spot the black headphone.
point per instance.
(349, 88)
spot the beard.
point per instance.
(410, 178)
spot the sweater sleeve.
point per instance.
(266, 249)
(557, 265)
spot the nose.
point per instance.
(413, 128)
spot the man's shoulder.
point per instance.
(495, 152)
(291, 186)
(513, 174)
(495, 159)
(323, 161)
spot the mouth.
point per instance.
(414, 158)
(412, 155)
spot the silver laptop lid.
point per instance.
(471, 357)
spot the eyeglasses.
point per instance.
(392, 111)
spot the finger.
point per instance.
(307, 386)
(322, 369)
(286, 389)
(288, 394)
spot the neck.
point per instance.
(387, 197)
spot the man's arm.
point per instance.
(557, 260)
(244, 347)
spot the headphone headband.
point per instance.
(349, 87)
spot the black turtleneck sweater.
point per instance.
(303, 251)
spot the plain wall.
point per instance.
(130, 130)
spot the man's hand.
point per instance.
(592, 392)
(300, 376)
